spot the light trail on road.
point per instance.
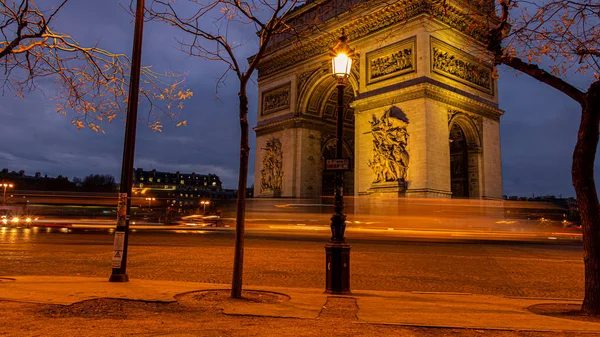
(286, 259)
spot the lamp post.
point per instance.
(337, 251)
(5, 185)
(150, 200)
(204, 203)
(119, 260)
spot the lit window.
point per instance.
(214, 183)
(166, 186)
(141, 185)
(150, 179)
(142, 179)
(158, 180)
(182, 181)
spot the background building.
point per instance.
(176, 190)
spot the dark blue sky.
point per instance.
(538, 130)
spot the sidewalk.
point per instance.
(451, 310)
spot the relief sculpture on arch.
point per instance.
(272, 171)
(390, 160)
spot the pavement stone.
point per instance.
(456, 310)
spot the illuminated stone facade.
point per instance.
(422, 119)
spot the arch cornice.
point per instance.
(285, 54)
(429, 88)
(309, 122)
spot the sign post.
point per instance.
(119, 260)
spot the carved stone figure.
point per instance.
(390, 141)
(272, 171)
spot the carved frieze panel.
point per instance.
(276, 99)
(390, 147)
(460, 66)
(391, 61)
(271, 175)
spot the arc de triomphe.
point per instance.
(422, 120)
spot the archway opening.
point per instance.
(328, 177)
(328, 112)
(459, 162)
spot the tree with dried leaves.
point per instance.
(557, 43)
(211, 26)
(93, 83)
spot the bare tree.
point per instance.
(554, 41)
(215, 39)
(93, 82)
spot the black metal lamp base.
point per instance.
(118, 278)
(337, 268)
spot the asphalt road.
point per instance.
(378, 262)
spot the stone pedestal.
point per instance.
(270, 194)
(388, 189)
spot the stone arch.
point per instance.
(466, 159)
(317, 100)
(316, 85)
(469, 126)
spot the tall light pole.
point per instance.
(5, 185)
(204, 203)
(337, 251)
(119, 260)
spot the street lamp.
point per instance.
(119, 260)
(5, 185)
(204, 203)
(337, 251)
(150, 200)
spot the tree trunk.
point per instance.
(238, 262)
(587, 198)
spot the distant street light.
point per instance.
(204, 203)
(119, 260)
(150, 200)
(5, 185)
(337, 251)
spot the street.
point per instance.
(297, 259)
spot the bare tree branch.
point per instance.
(93, 82)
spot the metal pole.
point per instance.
(338, 221)
(119, 261)
(337, 280)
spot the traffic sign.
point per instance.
(337, 164)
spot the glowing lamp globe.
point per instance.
(341, 65)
